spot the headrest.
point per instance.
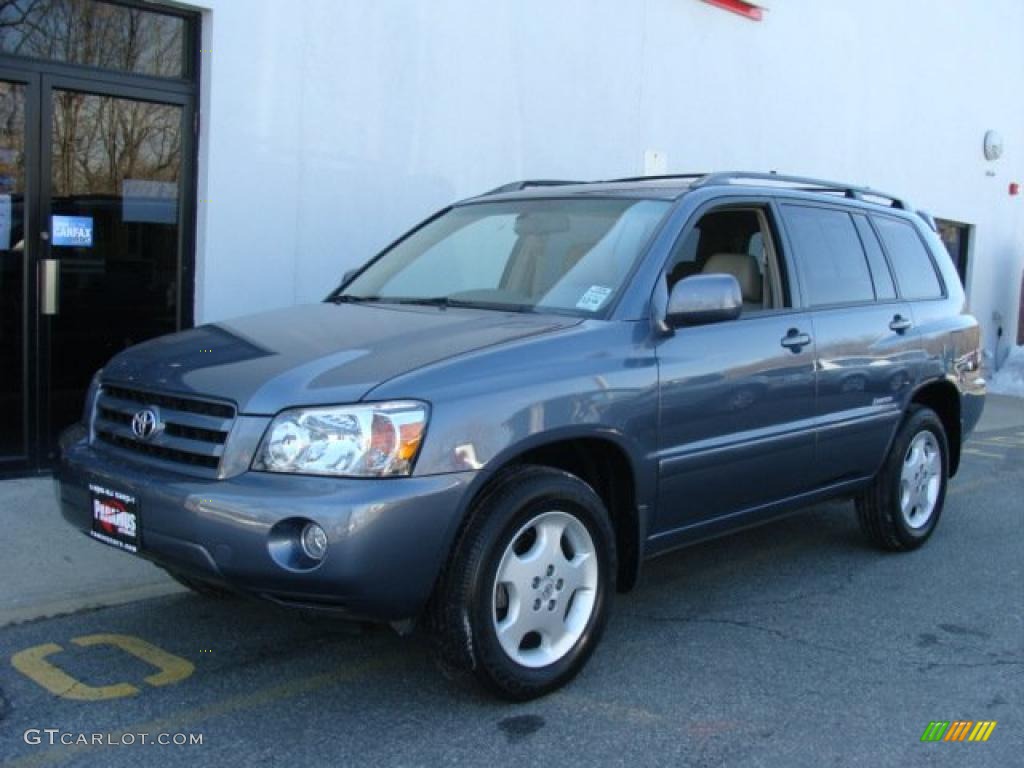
(743, 267)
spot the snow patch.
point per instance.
(1009, 379)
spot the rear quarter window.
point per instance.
(885, 288)
(914, 268)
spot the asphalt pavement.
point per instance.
(794, 644)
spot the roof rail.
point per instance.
(807, 184)
(515, 186)
(662, 177)
(929, 220)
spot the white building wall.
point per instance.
(330, 126)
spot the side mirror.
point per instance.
(703, 299)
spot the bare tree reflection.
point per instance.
(99, 141)
(94, 33)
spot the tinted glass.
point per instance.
(96, 34)
(12, 269)
(830, 255)
(571, 255)
(115, 229)
(915, 271)
(885, 288)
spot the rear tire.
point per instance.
(526, 596)
(901, 508)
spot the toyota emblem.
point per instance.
(146, 423)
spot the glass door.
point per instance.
(17, 111)
(97, 208)
(112, 232)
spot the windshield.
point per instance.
(560, 255)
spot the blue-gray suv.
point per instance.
(490, 425)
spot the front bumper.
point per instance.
(387, 538)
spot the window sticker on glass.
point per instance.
(73, 231)
(149, 201)
(594, 298)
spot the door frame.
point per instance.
(698, 455)
(50, 84)
(40, 78)
(29, 291)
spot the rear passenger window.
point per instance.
(829, 254)
(915, 271)
(885, 288)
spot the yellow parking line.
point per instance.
(33, 664)
(185, 718)
(172, 668)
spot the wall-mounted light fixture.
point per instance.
(993, 145)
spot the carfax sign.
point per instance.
(74, 231)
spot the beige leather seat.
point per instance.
(745, 269)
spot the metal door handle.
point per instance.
(795, 340)
(49, 286)
(900, 324)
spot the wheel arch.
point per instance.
(943, 397)
(601, 458)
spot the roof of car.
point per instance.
(660, 189)
(671, 187)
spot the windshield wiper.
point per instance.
(448, 301)
(431, 301)
(348, 298)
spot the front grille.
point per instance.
(192, 432)
(172, 402)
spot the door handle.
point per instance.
(900, 323)
(795, 340)
(49, 286)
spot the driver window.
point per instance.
(736, 241)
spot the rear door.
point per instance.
(865, 338)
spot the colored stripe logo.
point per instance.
(958, 730)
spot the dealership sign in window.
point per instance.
(72, 231)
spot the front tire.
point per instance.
(900, 510)
(526, 597)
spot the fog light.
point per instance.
(314, 541)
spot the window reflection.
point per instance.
(96, 34)
(12, 268)
(115, 176)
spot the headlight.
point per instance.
(373, 440)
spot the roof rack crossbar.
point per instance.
(515, 186)
(811, 185)
(661, 177)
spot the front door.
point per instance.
(93, 237)
(737, 398)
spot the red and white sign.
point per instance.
(751, 11)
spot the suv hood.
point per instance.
(315, 354)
